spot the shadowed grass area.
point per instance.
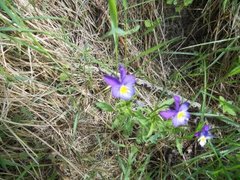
(58, 119)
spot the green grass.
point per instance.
(58, 118)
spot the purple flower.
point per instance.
(203, 135)
(122, 87)
(178, 114)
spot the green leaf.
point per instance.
(143, 121)
(148, 23)
(113, 13)
(187, 2)
(104, 106)
(225, 4)
(234, 71)
(132, 156)
(179, 145)
(131, 31)
(128, 127)
(121, 32)
(227, 106)
(75, 123)
(64, 76)
(229, 110)
(27, 113)
(13, 15)
(170, 1)
(118, 145)
(175, 2)
(160, 46)
(116, 123)
(152, 128)
(5, 162)
(153, 139)
(8, 77)
(125, 4)
(221, 117)
(166, 103)
(200, 126)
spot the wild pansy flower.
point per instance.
(122, 87)
(179, 114)
(203, 135)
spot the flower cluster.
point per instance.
(179, 114)
(123, 88)
(203, 135)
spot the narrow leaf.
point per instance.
(104, 106)
(179, 145)
(113, 13)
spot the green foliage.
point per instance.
(5, 163)
(7, 77)
(227, 106)
(104, 106)
(113, 13)
(140, 122)
(179, 4)
(75, 122)
(235, 69)
(224, 4)
(25, 114)
(115, 30)
(179, 144)
(64, 76)
(126, 165)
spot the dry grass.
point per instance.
(37, 105)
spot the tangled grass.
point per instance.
(53, 56)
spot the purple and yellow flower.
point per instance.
(179, 114)
(204, 135)
(122, 87)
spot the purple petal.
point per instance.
(187, 115)
(177, 102)
(181, 121)
(129, 94)
(197, 134)
(184, 106)
(129, 80)
(116, 91)
(209, 136)
(168, 114)
(111, 80)
(177, 123)
(206, 128)
(122, 71)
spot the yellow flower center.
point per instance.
(180, 115)
(124, 89)
(202, 140)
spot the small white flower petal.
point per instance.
(202, 141)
